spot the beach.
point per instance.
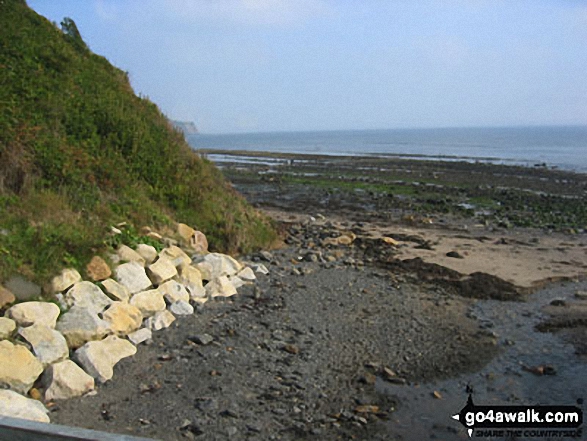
(399, 287)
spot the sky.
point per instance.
(236, 66)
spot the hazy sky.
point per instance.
(284, 65)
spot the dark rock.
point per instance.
(454, 254)
(202, 339)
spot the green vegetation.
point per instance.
(79, 151)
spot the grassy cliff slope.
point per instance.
(79, 151)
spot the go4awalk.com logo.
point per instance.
(521, 421)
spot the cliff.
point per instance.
(187, 127)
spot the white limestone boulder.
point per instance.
(185, 232)
(30, 313)
(87, 295)
(65, 280)
(222, 265)
(66, 380)
(140, 336)
(80, 325)
(220, 287)
(189, 275)
(7, 327)
(247, 274)
(161, 271)
(14, 405)
(116, 291)
(132, 276)
(175, 255)
(205, 269)
(149, 302)
(126, 253)
(147, 252)
(191, 278)
(19, 368)
(161, 320)
(98, 358)
(123, 318)
(49, 345)
(173, 292)
(260, 268)
(181, 307)
(195, 239)
(237, 282)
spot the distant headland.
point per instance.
(187, 127)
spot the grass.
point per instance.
(79, 152)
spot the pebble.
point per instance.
(292, 349)
(202, 339)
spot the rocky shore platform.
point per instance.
(387, 303)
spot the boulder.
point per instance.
(176, 255)
(87, 295)
(123, 318)
(181, 307)
(22, 288)
(127, 254)
(189, 274)
(236, 281)
(98, 358)
(174, 292)
(66, 380)
(14, 405)
(195, 239)
(147, 252)
(186, 232)
(115, 290)
(260, 268)
(19, 368)
(133, 277)
(6, 297)
(247, 274)
(80, 325)
(220, 287)
(222, 265)
(7, 327)
(140, 336)
(161, 320)
(149, 302)
(30, 313)
(98, 269)
(200, 242)
(49, 345)
(161, 271)
(205, 269)
(199, 297)
(65, 280)
(155, 236)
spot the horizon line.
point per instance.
(270, 132)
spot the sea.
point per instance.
(553, 147)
